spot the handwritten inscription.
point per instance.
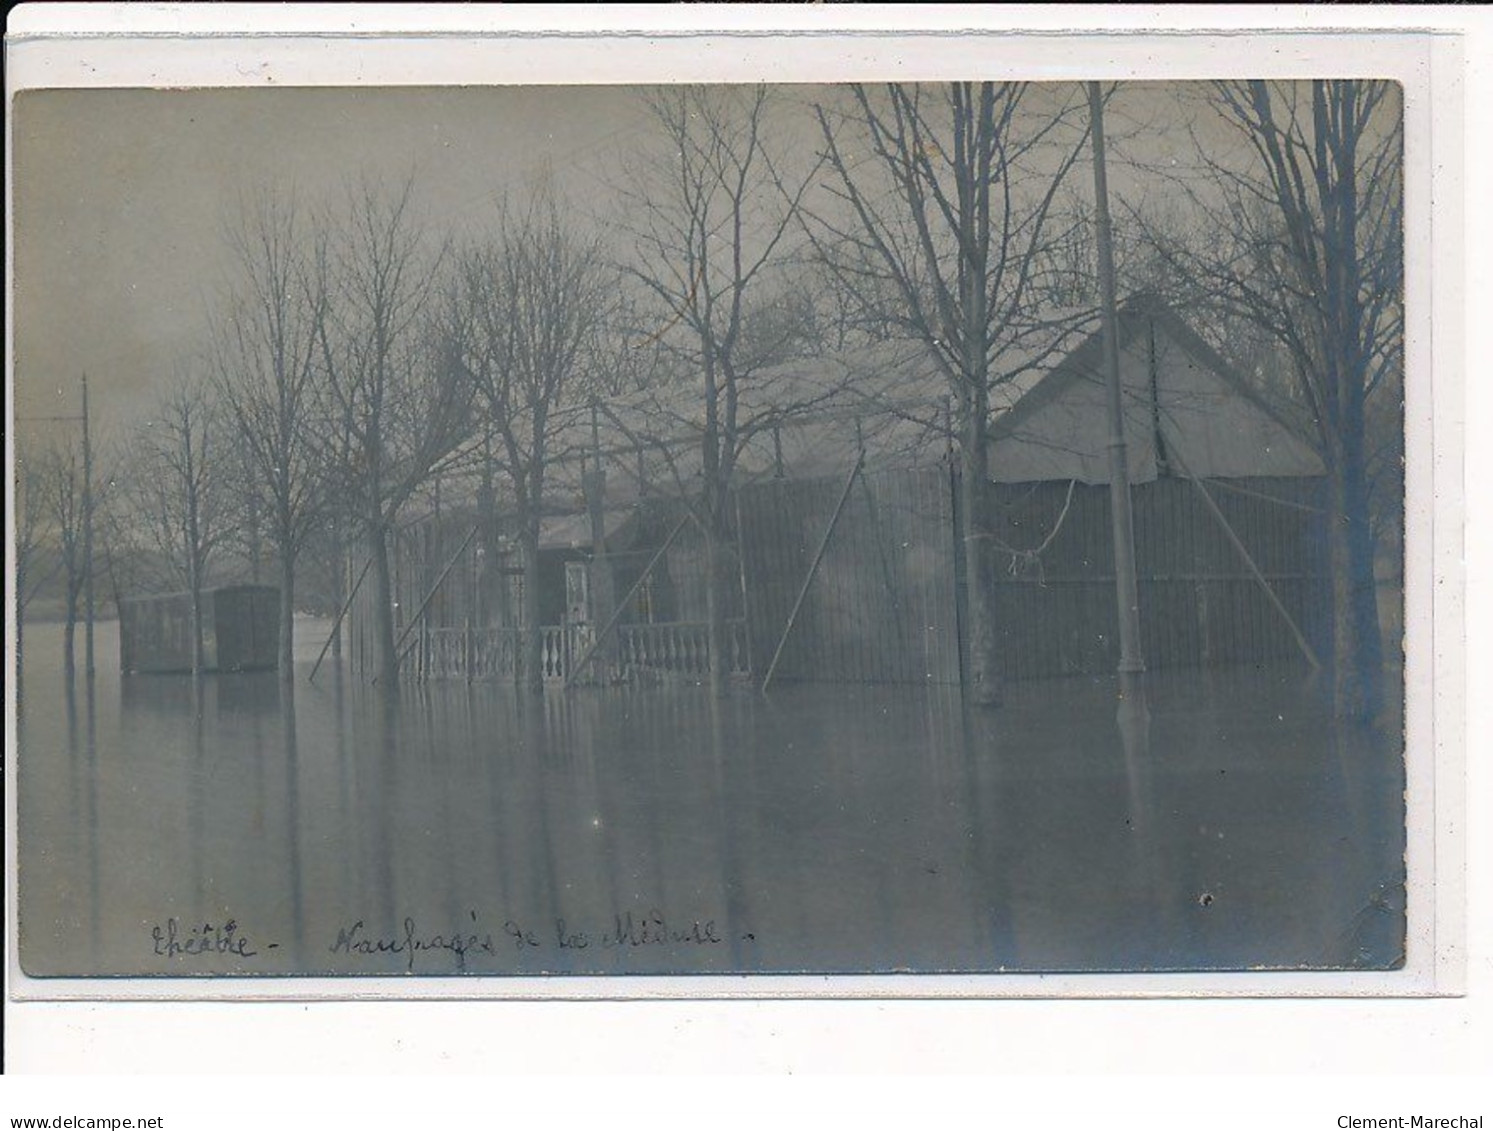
(173, 940)
(624, 931)
(355, 939)
(463, 945)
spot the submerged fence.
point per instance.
(1199, 602)
(881, 607)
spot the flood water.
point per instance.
(827, 828)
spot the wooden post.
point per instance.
(435, 588)
(422, 658)
(337, 624)
(813, 569)
(466, 648)
(1249, 561)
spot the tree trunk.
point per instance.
(1357, 649)
(599, 580)
(287, 616)
(339, 591)
(982, 668)
(533, 631)
(716, 599)
(386, 662)
(69, 630)
(197, 652)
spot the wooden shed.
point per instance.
(240, 630)
(1227, 501)
(846, 516)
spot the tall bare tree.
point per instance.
(267, 353)
(120, 549)
(54, 498)
(396, 404)
(944, 198)
(521, 317)
(180, 490)
(715, 220)
(1309, 252)
(29, 509)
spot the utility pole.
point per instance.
(87, 535)
(1132, 666)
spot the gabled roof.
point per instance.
(1186, 410)
(1050, 418)
(811, 416)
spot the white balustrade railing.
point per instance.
(473, 654)
(680, 647)
(677, 648)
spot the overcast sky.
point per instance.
(121, 197)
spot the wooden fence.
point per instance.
(881, 608)
(1199, 603)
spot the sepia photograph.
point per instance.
(905, 528)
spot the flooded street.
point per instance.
(822, 829)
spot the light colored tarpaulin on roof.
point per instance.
(1193, 409)
(1047, 399)
(892, 396)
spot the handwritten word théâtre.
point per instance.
(197, 941)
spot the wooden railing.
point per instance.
(636, 652)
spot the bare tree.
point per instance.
(1309, 253)
(524, 310)
(715, 220)
(119, 548)
(1066, 273)
(944, 201)
(266, 352)
(59, 482)
(395, 403)
(30, 509)
(180, 487)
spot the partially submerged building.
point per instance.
(846, 527)
(240, 630)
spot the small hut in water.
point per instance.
(845, 518)
(240, 630)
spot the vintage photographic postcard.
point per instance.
(526, 525)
